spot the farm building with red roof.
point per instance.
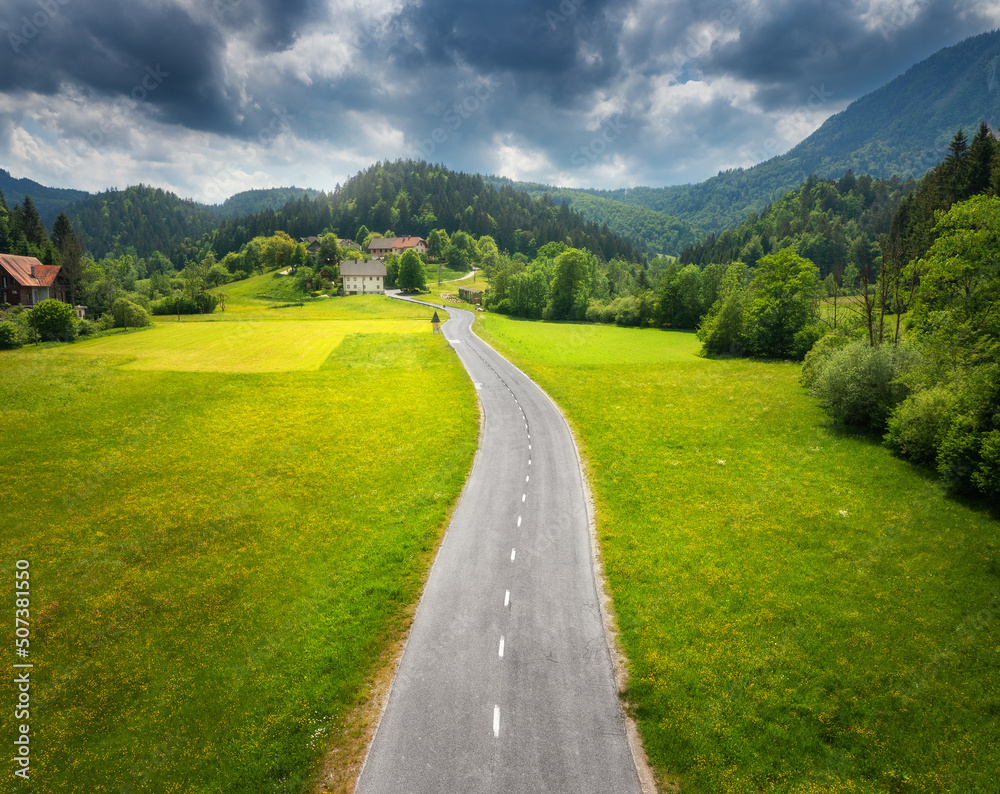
(24, 281)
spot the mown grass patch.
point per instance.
(801, 611)
(432, 273)
(219, 561)
(248, 346)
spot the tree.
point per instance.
(304, 278)
(456, 257)
(570, 290)
(721, 330)
(53, 319)
(527, 291)
(781, 303)
(276, 251)
(70, 254)
(461, 251)
(437, 241)
(679, 298)
(956, 311)
(127, 314)
(489, 254)
(411, 272)
(218, 275)
(329, 252)
(30, 223)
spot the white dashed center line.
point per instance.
(513, 553)
(506, 599)
(524, 496)
(519, 520)
(501, 648)
(496, 721)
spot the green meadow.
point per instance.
(801, 611)
(227, 520)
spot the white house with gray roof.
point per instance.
(362, 277)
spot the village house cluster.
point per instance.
(367, 276)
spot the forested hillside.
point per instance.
(649, 230)
(49, 201)
(139, 219)
(920, 359)
(250, 201)
(413, 198)
(405, 197)
(820, 220)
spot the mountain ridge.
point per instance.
(887, 132)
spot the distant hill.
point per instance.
(822, 220)
(250, 201)
(412, 198)
(143, 218)
(49, 201)
(900, 129)
(649, 230)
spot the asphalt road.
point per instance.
(506, 682)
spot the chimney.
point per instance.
(33, 275)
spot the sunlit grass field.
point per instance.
(222, 560)
(247, 346)
(801, 611)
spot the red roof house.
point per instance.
(24, 281)
(380, 246)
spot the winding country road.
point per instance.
(506, 682)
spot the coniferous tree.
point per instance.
(30, 223)
(65, 242)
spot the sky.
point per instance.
(210, 97)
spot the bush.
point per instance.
(204, 303)
(126, 314)
(627, 311)
(11, 335)
(987, 477)
(595, 311)
(918, 425)
(958, 456)
(805, 340)
(86, 327)
(54, 320)
(860, 384)
(819, 356)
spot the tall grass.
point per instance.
(219, 560)
(800, 610)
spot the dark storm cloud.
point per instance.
(688, 85)
(787, 48)
(154, 52)
(561, 48)
(274, 24)
(119, 49)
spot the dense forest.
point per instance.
(249, 202)
(406, 197)
(651, 231)
(413, 198)
(138, 220)
(821, 220)
(49, 201)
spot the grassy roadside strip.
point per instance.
(801, 611)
